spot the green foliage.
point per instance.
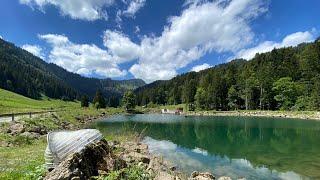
(249, 85)
(200, 98)
(233, 98)
(99, 101)
(38, 173)
(84, 101)
(286, 92)
(129, 101)
(133, 172)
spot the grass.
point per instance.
(25, 159)
(22, 162)
(13, 103)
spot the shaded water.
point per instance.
(251, 147)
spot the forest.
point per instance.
(28, 75)
(283, 79)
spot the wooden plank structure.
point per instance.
(61, 144)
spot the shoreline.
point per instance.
(303, 115)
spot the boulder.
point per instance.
(16, 128)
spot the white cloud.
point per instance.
(77, 9)
(200, 67)
(34, 49)
(120, 46)
(290, 40)
(85, 59)
(134, 7)
(201, 28)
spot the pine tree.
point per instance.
(129, 101)
(99, 101)
(84, 101)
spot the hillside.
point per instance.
(286, 79)
(28, 75)
(11, 102)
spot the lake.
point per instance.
(250, 147)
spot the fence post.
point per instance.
(12, 117)
(29, 114)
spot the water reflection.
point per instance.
(285, 146)
(198, 159)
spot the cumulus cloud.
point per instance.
(85, 9)
(201, 28)
(120, 46)
(200, 67)
(34, 49)
(290, 40)
(133, 7)
(85, 59)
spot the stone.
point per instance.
(16, 128)
(173, 168)
(31, 135)
(164, 176)
(39, 129)
(201, 176)
(139, 157)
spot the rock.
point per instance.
(224, 178)
(39, 129)
(31, 135)
(194, 174)
(87, 163)
(16, 128)
(165, 176)
(138, 157)
(201, 176)
(173, 168)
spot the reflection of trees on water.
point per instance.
(281, 145)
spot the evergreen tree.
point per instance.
(84, 101)
(128, 101)
(99, 101)
(233, 98)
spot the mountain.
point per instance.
(286, 78)
(28, 75)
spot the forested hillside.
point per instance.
(286, 78)
(28, 75)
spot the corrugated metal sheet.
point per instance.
(63, 143)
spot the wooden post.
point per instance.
(29, 114)
(12, 117)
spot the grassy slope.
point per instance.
(12, 103)
(25, 159)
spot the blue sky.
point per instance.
(154, 39)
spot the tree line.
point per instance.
(285, 79)
(99, 102)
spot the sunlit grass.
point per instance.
(12, 103)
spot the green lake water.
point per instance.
(250, 147)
